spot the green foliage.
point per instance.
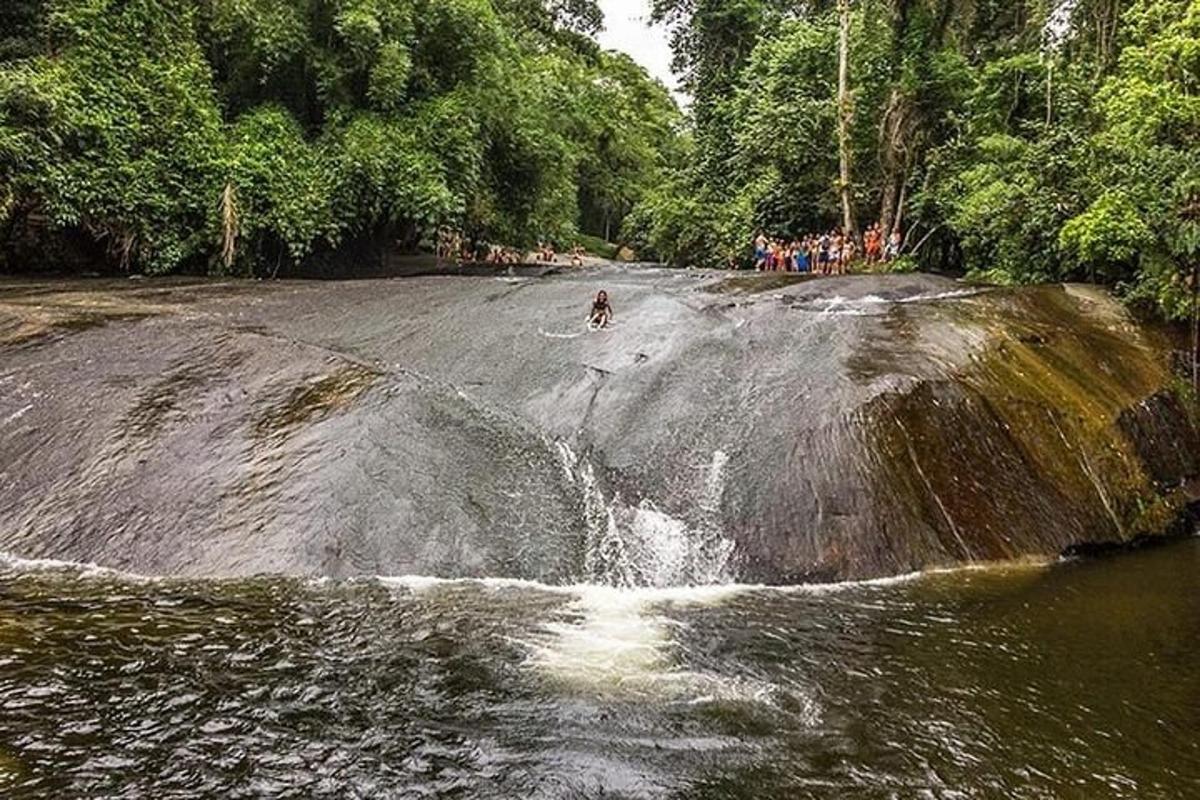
(1016, 141)
(681, 227)
(120, 134)
(254, 133)
(1145, 163)
(628, 128)
(596, 246)
(383, 177)
(1053, 179)
(388, 83)
(903, 265)
(1110, 231)
(284, 193)
(787, 140)
(22, 28)
(1007, 205)
(246, 134)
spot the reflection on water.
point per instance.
(1075, 680)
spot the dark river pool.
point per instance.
(1079, 679)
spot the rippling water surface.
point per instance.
(1073, 680)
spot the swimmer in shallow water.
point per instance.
(602, 312)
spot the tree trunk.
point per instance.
(1049, 92)
(1106, 15)
(1196, 327)
(230, 225)
(845, 114)
(887, 205)
(898, 219)
(896, 132)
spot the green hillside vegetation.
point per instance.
(1016, 140)
(238, 135)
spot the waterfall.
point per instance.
(642, 545)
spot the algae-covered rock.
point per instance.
(753, 428)
(11, 769)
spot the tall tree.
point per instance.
(845, 103)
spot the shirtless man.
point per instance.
(760, 252)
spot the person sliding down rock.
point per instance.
(602, 312)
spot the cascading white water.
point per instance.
(643, 546)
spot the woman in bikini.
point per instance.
(602, 312)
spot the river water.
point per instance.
(1073, 679)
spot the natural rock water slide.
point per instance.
(726, 428)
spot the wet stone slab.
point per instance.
(724, 427)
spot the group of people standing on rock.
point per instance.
(829, 253)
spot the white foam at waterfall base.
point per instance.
(619, 641)
(610, 641)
